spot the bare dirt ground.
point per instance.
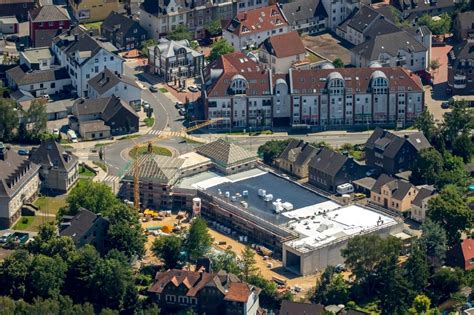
(328, 46)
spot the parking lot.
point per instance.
(329, 46)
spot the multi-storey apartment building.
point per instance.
(244, 95)
(84, 57)
(162, 17)
(460, 68)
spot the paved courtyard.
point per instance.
(329, 46)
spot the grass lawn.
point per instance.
(470, 199)
(50, 205)
(93, 26)
(149, 122)
(190, 141)
(129, 137)
(358, 155)
(85, 171)
(144, 149)
(163, 90)
(101, 165)
(63, 141)
(67, 146)
(32, 223)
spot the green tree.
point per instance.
(46, 276)
(14, 273)
(338, 63)
(439, 26)
(331, 288)
(96, 197)
(416, 269)
(8, 119)
(181, 32)
(433, 241)
(214, 28)
(458, 121)
(463, 147)
(272, 149)
(168, 249)
(421, 305)
(453, 172)
(248, 262)
(198, 241)
(7, 305)
(450, 211)
(146, 45)
(426, 124)
(46, 242)
(227, 261)
(446, 281)
(427, 166)
(220, 48)
(125, 233)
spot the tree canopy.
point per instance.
(168, 248)
(181, 32)
(439, 25)
(198, 241)
(95, 197)
(272, 149)
(8, 119)
(220, 48)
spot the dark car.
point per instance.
(179, 105)
(153, 89)
(23, 152)
(445, 105)
(182, 112)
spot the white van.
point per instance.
(345, 189)
(71, 135)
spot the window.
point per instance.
(111, 58)
(53, 85)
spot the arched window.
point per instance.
(379, 82)
(238, 84)
(335, 83)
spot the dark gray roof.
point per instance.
(299, 308)
(15, 171)
(302, 10)
(461, 51)
(389, 12)
(119, 22)
(418, 141)
(81, 223)
(366, 182)
(48, 13)
(361, 20)
(423, 193)
(389, 44)
(398, 187)
(43, 37)
(390, 144)
(466, 20)
(418, 7)
(107, 79)
(298, 152)
(51, 154)
(22, 75)
(328, 161)
(106, 106)
(380, 27)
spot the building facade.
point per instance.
(175, 60)
(45, 23)
(122, 31)
(305, 16)
(460, 68)
(19, 185)
(88, 11)
(296, 158)
(393, 194)
(242, 96)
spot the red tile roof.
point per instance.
(284, 45)
(257, 20)
(467, 248)
(238, 292)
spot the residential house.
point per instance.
(282, 51)
(175, 60)
(461, 68)
(296, 158)
(462, 254)
(88, 11)
(251, 28)
(122, 31)
(108, 83)
(246, 5)
(59, 168)
(464, 25)
(206, 293)
(411, 9)
(393, 194)
(45, 22)
(19, 184)
(339, 10)
(298, 308)
(329, 169)
(419, 206)
(228, 157)
(86, 228)
(391, 152)
(37, 58)
(241, 95)
(16, 8)
(8, 25)
(161, 17)
(398, 49)
(99, 118)
(305, 16)
(84, 57)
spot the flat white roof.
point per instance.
(330, 222)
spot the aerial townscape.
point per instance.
(237, 157)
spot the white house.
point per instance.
(419, 205)
(108, 83)
(251, 28)
(339, 10)
(84, 57)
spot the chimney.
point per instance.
(76, 37)
(3, 152)
(407, 136)
(103, 74)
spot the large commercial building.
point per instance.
(242, 95)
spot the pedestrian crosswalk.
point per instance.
(111, 178)
(165, 133)
(113, 182)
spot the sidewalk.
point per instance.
(101, 175)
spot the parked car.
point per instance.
(71, 135)
(340, 268)
(56, 132)
(445, 105)
(179, 105)
(182, 111)
(153, 89)
(193, 88)
(23, 152)
(146, 105)
(4, 238)
(45, 96)
(199, 87)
